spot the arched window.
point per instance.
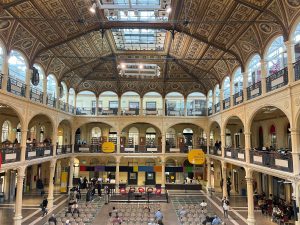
(254, 70)
(238, 81)
(16, 74)
(96, 132)
(108, 103)
(36, 90)
(196, 104)
(210, 102)
(217, 98)
(5, 130)
(71, 100)
(174, 104)
(171, 138)
(86, 103)
(226, 88)
(296, 38)
(133, 136)
(51, 90)
(276, 56)
(152, 103)
(130, 103)
(64, 92)
(150, 136)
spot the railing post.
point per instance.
(290, 49)
(264, 74)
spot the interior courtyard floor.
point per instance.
(32, 212)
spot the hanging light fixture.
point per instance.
(93, 8)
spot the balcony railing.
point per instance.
(36, 95)
(217, 107)
(89, 148)
(71, 109)
(140, 149)
(107, 111)
(184, 149)
(197, 112)
(152, 112)
(238, 97)
(226, 103)
(277, 80)
(62, 105)
(85, 111)
(35, 152)
(175, 112)
(235, 153)
(10, 154)
(254, 90)
(16, 86)
(209, 111)
(63, 149)
(280, 160)
(51, 101)
(297, 70)
(130, 112)
(215, 151)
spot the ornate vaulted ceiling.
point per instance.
(205, 41)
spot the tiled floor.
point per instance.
(238, 212)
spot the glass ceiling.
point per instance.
(137, 11)
(139, 39)
(135, 69)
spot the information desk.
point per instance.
(185, 187)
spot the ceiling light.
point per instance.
(141, 66)
(123, 66)
(93, 8)
(169, 10)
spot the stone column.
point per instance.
(97, 106)
(75, 103)
(224, 176)
(223, 140)
(51, 184)
(163, 144)
(6, 185)
(73, 140)
(290, 49)
(45, 90)
(19, 197)
(208, 185)
(221, 99)
(54, 139)
(296, 198)
(71, 174)
(57, 97)
(23, 143)
(163, 173)
(295, 151)
(5, 74)
(141, 112)
(67, 101)
(247, 146)
(250, 200)
(231, 91)
(213, 102)
(27, 82)
(245, 85)
(207, 143)
(117, 174)
(119, 106)
(185, 106)
(119, 142)
(164, 106)
(264, 74)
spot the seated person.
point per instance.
(182, 212)
(208, 220)
(276, 213)
(117, 220)
(216, 221)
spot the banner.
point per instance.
(64, 182)
(108, 147)
(196, 157)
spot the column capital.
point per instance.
(21, 171)
(289, 43)
(247, 133)
(249, 179)
(52, 163)
(224, 165)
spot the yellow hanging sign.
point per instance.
(108, 147)
(196, 157)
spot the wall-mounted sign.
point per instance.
(196, 157)
(108, 147)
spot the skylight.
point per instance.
(140, 70)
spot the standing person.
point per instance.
(203, 205)
(159, 217)
(228, 183)
(225, 208)
(88, 196)
(106, 194)
(44, 206)
(99, 187)
(85, 181)
(52, 220)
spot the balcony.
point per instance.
(235, 153)
(209, 111)
(226, 103)
(36, 152)
(152, 112)
(130, 112)
(254, 90)
(238, 97)
(277, 80)
(11, 154)
(89, 148)
(51, 101)
(217, 107)
(175, 112)
(62, 106)
(71, 109)
(63, 149)
(197, 112)
(279, 160)
(140, 149)
(215, 151)
(36, 95)
(16, 86)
